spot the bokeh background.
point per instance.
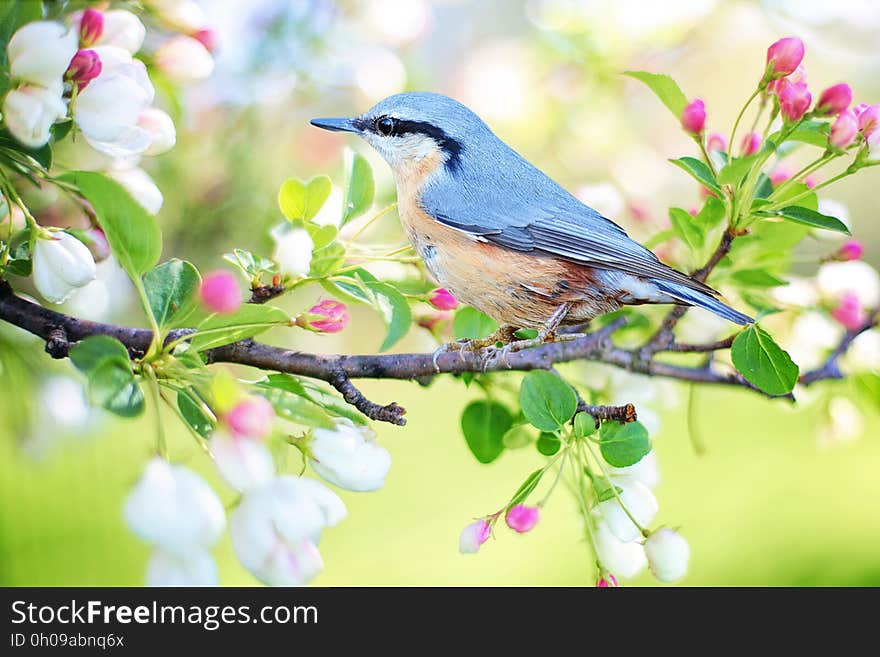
(766, 494)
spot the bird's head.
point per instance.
(410, 128)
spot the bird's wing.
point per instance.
(547, 220)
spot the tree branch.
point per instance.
(60, 331)
(830, 369)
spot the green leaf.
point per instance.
(699, 171)
(623, 445)
(471, 323)
(299, 200)
(113, 386)
(665, 88)
(604, 489)
(192, 413)
(736, 169)
(809, 217)
(548, 444)
(484, 424)
(762, 362)
(711, 215)
(42, 155)
(351, 287)
(868, 384)
(327, 260)
(547, 401)
(361, 189)
(584, 425)
(321, 235)
(296, 408)
(518, 436)
(526, 488)
(171, 289)
(111, 383)
(764, 187)
(687, 228)
(246, 322)
(757, 278)
(814, 133)
(251, 265)
(393, 308)
(134, 236)
(312, 393)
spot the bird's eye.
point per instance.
(385, 126)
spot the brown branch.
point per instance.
(623, 414)
(339, 370)
(683, 348)
(830, 368)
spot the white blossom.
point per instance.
(174, 508)
(29, 112)
(122, 29)
(196, 568)
(646, 470)
(349, 457)
(184, 59)
(639, 502)
(40, 52)
(138, 183)
(668, 553)
(243, 462)
(161, 129)
(856, 276)
(623, 559)
(293, 250)
(61, 264)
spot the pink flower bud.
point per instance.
(858, 109)
(794, 100)
(834, 99)
(83, 68)
(473, 536)
(251, 418)
(332, 316)
(811, 181)
(95, 239)
(443, 299)
(693, 119)
(844, 129)
(799, 75)
(779, 175)
(784, 56)
(750, 144)
(219, 292)
(716, 142)
(609, 582)
(207, 37)
(851, 250)
(521, 518)
(849, 311)
(91, 27)
(869, 120)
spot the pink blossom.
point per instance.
(442, 299)
(779, 175)
(219, 292)
(332, 316)
(716, 142)
(784, 56)
(91, 27)
(609, 582)
(207, 37)
(473, 536)
(251, 418)
(849, 311)
(750, 144)
(84, 67)
(869, 120)
(693, 118)
(834, 99)
(844, 129)
(799, 75)
(521, 518)
(811, 181)
(851, 250)
(794, 100)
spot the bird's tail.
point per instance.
(701, 299)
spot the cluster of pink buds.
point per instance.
(521, 518)
(86, 64)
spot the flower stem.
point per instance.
(740, 115)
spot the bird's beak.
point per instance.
(336, 125)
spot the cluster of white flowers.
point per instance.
(276, 526)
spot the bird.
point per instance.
(504, 237)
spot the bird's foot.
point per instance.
(543, 337)
(486, 347)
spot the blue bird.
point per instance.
(500, 234)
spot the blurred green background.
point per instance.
(776, 498)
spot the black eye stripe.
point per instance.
(451, 146)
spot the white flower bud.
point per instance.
(174, 508)
(243, 462)
(122, 29)
(349, 457)
(39, 52)
(668, 553)
(622, 559)
(196, 568)
(646, 470)
(61, 264)
(159, 125)
(856, 276)
(293, 250)
(276, 526)
(30, 111)
(138, 183)
(184, 59)
(638, 500)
